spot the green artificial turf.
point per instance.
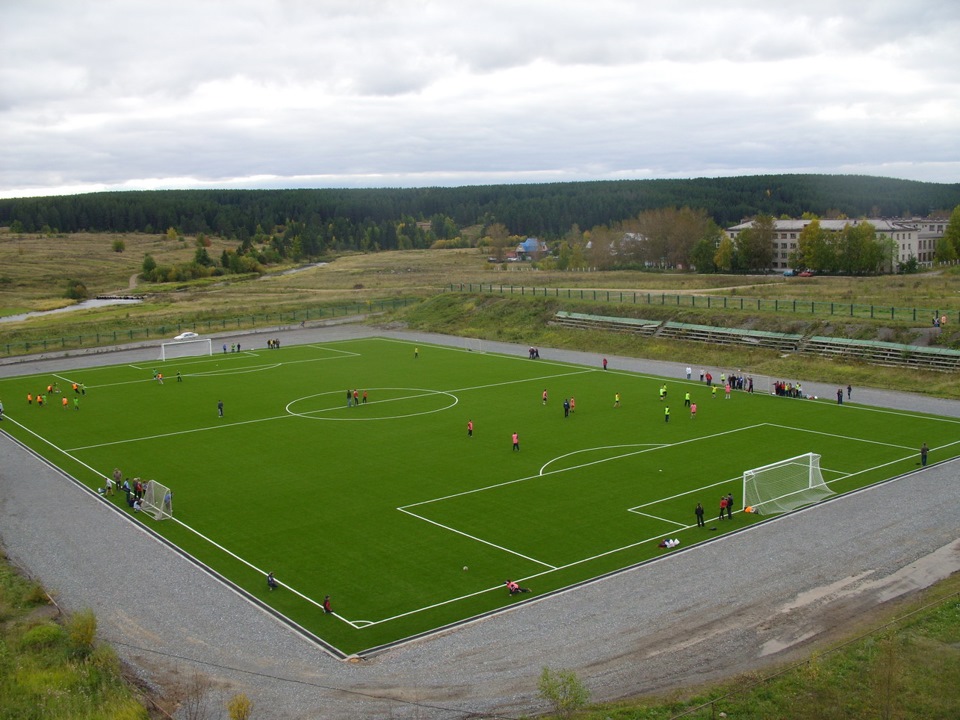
(382, 506)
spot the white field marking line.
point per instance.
(216, 358)
(883, 465)
(577, 467)
(688, 492)
(178, 432)
(423, 393)
(501, 356)
(649, 446)
(657, 517)
(834, 435)
(915, 416)
(250, 565)
(520, 380)
(309, 415)
(180, 522)
(476, 539)
(524, 579)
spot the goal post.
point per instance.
(473, 345)
(158, 501)
(185, 348)
(784, 486)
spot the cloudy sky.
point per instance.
(136, 94)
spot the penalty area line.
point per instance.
(476, 539)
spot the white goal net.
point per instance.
(785, 485)
(473, 345)
(185, 348)
(158, 501)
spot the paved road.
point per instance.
(708, 611)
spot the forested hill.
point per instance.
(544, 210)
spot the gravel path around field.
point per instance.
(709, 611)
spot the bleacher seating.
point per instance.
(601, 322)
(870, 351)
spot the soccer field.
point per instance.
(393, 510)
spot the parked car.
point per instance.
(186, 336)
(807, 273)
(789, 273)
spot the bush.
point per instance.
(43, 635)
(239, 707)
(119, 246)
(76, 290)
(563, 690)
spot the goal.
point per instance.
(185, 348)
(785, 485)
(158, 501)
(473, 345)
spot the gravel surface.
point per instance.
(706, 612)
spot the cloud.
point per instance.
(130, 93)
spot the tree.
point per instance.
(855, 256)
(702, 256)
(945, 252)
(814, 249)
(755, 244)
(149, 264)
(723, 257)
(562, 689)
(498, 238)
(76, 290)
(952, 231)
(202, 257)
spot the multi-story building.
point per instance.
(915, 238)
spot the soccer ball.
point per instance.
(465, 568)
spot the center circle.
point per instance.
(381, 404)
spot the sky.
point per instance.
(133, 94)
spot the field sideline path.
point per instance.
(733, 605)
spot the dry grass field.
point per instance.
(34, 271)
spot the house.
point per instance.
(532, 249)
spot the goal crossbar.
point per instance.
(185, 348)
(785, 485)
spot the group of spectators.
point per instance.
(735, 381)
(134, 491)
(786, 389)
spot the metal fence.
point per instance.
(167, 331)
(724, 302)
